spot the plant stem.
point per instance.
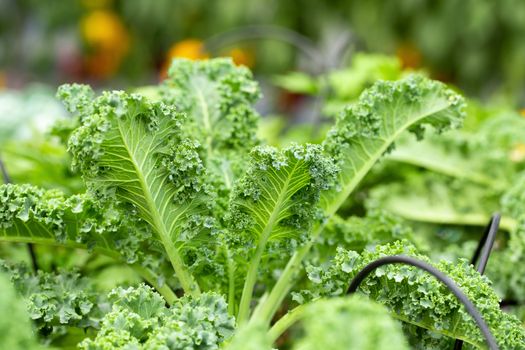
(163, 289)
(143, 272)
(251, 277)
(231, 286)
(186, 280)
(286, 322)
(265, 310)
(247, 293)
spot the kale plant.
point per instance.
(241, 245)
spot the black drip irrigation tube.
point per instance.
(481, 254)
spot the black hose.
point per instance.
(447, 281)
(482, 254)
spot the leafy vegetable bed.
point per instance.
(240, 245)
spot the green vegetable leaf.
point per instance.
(55, 300)
(217, 96)
(368, 129)
(275, 201)
(30, 214)
(139, 319)
(349, 323)
(362, 134)
(416, 297)
(15, 327)
(134, 152)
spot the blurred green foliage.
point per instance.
(477, 44)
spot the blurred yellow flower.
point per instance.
(522, 112)
(107, 40)
(192, 49)
(103, 28)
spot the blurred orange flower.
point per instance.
(108, 42)
(409, 55)
(192, 49)
(3, 80)
(241, 57)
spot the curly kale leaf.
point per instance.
(139, 320)
(217, 96)
(135, 153)
(15, 327)
(275, 204)
(362, 134)
(250, 337)
(55, 300)
(350, 323)
(30, 214)
(276, 199)
(505, 267)
(368, 129)
(416, 297)
(358, 233)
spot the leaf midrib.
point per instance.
(360, 174)
(205, 118)
(263, 238)
(277, 208)
(184, 277)
(266, 310)
(155, 214)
